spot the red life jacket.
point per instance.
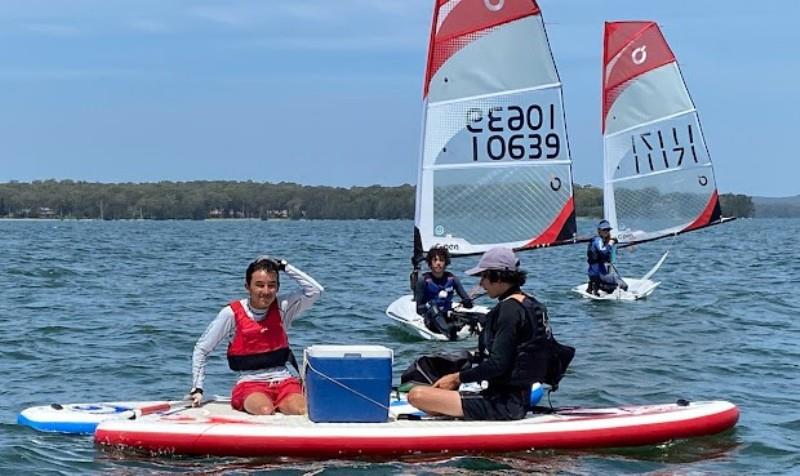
(252, 349)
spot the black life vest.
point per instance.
(538, 357)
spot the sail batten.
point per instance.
(649, 123)
(487, 165)
(500, 93)
(495, 167)
(658, 176)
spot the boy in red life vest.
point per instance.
(258, 346)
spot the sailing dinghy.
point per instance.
(657, 175)
(495, 167)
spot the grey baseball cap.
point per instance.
(604, 225)
(501, 259)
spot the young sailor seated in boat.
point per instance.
(258, 346)
(599, 254)
(434, 292)
(516, 349)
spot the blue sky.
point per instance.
(328, 92)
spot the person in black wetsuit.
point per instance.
(516, 349)
(434, 293)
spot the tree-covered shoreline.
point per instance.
(200, 200)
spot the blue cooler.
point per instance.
(348, 383)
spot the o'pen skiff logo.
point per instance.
(439, 230)
(494, 5)
(639, 55)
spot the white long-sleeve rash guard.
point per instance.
(222, 328)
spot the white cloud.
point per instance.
(53, 29)
(337, 43)
(82, 74)
(148, 25)
(230, 15)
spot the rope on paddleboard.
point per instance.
(349, 389)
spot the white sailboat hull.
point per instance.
(403, 312)
(637, 289)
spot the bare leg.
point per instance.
(259, 404)
(436, 401)
(294, 404)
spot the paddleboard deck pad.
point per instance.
(216, 429)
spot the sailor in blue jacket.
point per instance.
(434, 294)
(599, 255)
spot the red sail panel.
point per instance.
(631, 49)
(465, 21)
(711, 213)
(553, 233)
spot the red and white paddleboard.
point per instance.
(216, 429)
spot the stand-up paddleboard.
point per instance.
(83, 417)
(637, 288)
(403, 312)
(658, 179)
(216, 429)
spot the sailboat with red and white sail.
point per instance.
(658, 177)
(495, 166)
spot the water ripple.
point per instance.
(96, 311)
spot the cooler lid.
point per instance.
(351, 351)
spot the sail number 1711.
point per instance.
(514, 132)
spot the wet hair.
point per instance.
(514, 278)
(264, 264)
(439, 251)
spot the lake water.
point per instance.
(93, 311)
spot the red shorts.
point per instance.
(277, 391)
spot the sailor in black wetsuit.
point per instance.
(434, 292)
(516, 349)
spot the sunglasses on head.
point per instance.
(267, 259)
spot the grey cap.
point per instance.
(501, 259)
(604, 225)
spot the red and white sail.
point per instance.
(658, 177)
(495, 166)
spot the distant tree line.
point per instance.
(737, 205)
(199, 200)
(785, 207)
(589, 202)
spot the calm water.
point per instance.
(93, 311)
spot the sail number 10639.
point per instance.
(514, 132)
